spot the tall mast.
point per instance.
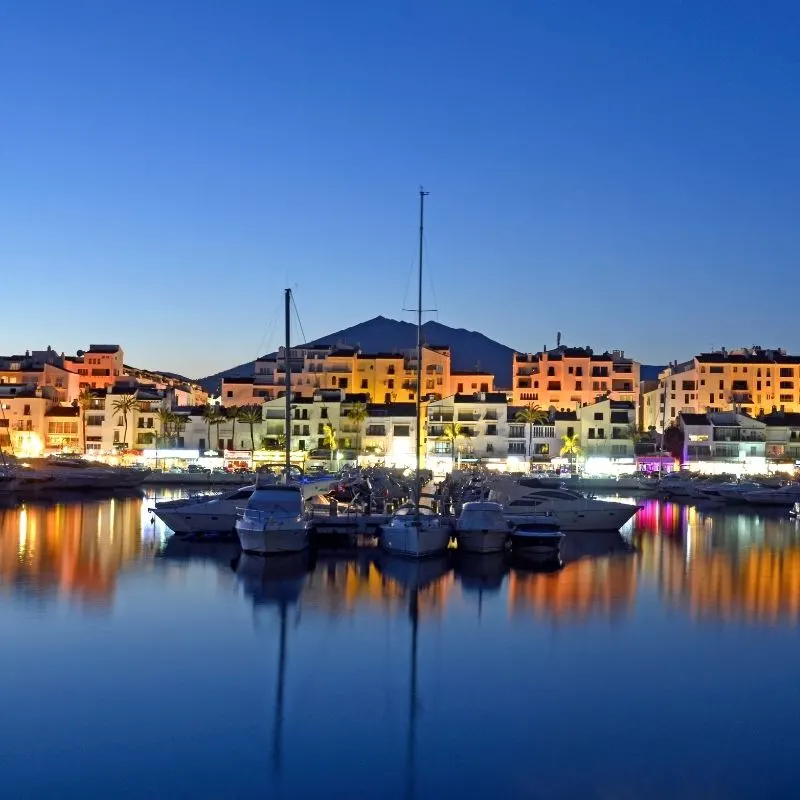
(418, 479)
(288, 384)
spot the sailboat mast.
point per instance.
(288, 384)
(418, 479)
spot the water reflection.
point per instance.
(73, 550)
(721, 563)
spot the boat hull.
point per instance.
(267, 540)
(414, 540)
(610, 518)
(189, 522)
(537, 544)
(482, 541)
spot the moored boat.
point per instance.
(482, 528)
(273, 521)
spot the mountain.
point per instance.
(469, 349)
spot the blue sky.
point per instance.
(624, 172)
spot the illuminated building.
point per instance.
(724, 441)
(752, 380)
(41, 369)
(569, 377)
(383, 377)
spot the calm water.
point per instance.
(133, 667)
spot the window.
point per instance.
(601, 434)
(364, 383)
(390, 384)
(551, 372)
(579, 371)
(570, 370)
(721, 385)
(323, 413)
(402, 430)
(570, 431)
(598, 415)
(460, 388)
(26, 410)
(578, 386)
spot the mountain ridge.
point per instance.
(469, 349)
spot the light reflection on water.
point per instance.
(358, 673)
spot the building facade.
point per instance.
(567, 378)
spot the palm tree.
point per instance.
(124, 404)
(329, 440)
(531, 415)
(219, 417)
(232, 412)
(209, 417)
(85, 402)
(250, 415)
(452, 432)
(357, 414)
(571, 447)
(165, 418)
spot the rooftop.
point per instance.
(104, 348)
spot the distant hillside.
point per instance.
(469, 349)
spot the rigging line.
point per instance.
(429, 273)
(299, 321)
(269, 330)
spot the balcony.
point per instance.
(434, 417)
(468, 416)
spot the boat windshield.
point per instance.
(284, 501)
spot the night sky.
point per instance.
(625, 172)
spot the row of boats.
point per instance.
(487, 515)
(678, 486)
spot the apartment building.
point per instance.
(481, 421)
(724, 438)
(606, 430)
(98, 367)
(753, 380)
(532, 444)
(383, 377)
(41, 368)
(22, 418)
(569, 377)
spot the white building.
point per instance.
(723, 442)
(482, 425)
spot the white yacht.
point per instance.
(203, 513)
(416, 532)
(273, 521)
(785, 496)
(571, 510)
(482, 528)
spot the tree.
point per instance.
(219, 417)
(673, 441)
(166, 419)
(571, 448)
(357, 414)
(209, 417)
(531, 415)
(329, 440)
(124, 405)
(232, 412)
(85, 402)
(452, 432)
(250, 415)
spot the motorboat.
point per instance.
(216, 513)
(538, 535)
(203, 513)
(732, 492)
(571, 510)
(273, 521)
(482, 528)
(785, 496)
(416, 532)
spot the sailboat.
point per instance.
(412, 531)
(274, 519)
